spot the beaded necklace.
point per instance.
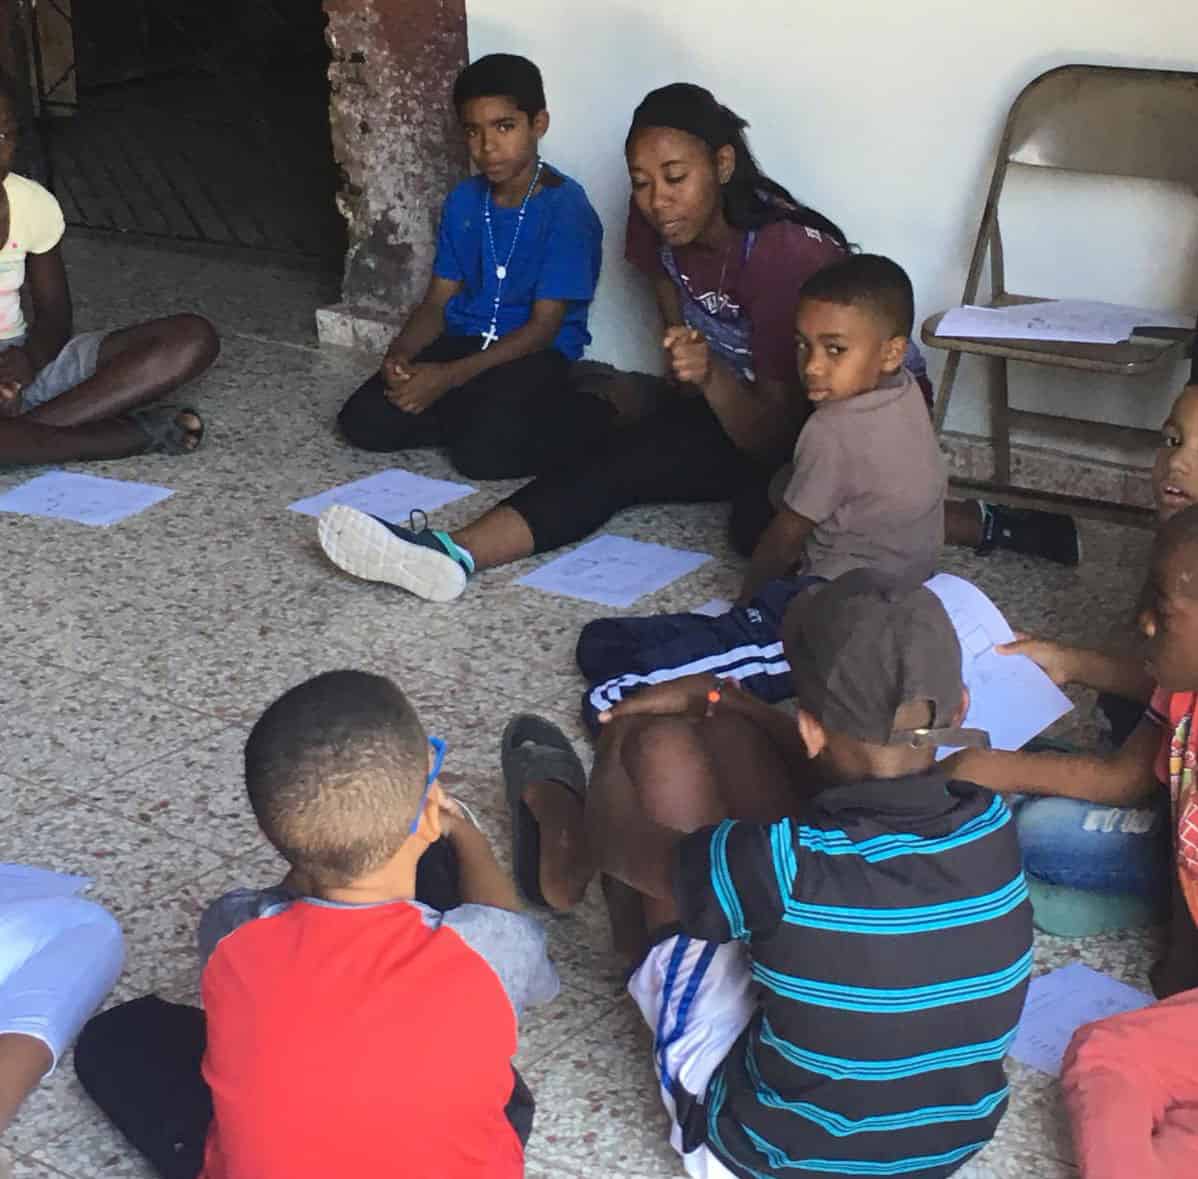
(491, 334)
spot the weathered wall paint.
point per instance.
(396, 140)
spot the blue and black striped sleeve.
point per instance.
(726, 883)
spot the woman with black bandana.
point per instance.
(727, 250)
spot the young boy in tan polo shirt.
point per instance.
(867, 485)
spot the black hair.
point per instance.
(335, 769)
(504, 75)
(871, 281)
(751, 199)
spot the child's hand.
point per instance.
(16, 372)
(396, 367)
(451, 815)
(686, 696)
(1054, 659)
(423, 385)
(689, 355)
(11, 402)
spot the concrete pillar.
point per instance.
(396, 139)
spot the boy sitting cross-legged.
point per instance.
(1159, 756)
(352, 1028)
(480, 365)
(839, 933)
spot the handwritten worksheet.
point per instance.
(1060, 1002)
(391, 495)
(84, 499)
(613, 570)
(1009, 696)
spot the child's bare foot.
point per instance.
(564, 870)
(169, 429)
(546, 789)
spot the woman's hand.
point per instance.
(689, 355)
(686, 696)
(1054, 659)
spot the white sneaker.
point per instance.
(373, 550)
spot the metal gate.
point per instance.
(196, 120)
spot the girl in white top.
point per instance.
(67, 397)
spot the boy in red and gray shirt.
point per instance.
(351, 1028)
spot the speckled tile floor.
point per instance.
(136, 657)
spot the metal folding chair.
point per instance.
(1098, 120)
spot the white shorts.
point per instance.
(59, 957)
(697, 997)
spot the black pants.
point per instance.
(140, 1061)
(679, 454)
(517, 419)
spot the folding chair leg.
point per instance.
(1000, 422)
(947, 379)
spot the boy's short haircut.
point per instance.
(863, 647)
(870, 281)
(335, 770)
(501, 75)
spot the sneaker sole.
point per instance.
(364, 548)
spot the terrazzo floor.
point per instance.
(137, 656)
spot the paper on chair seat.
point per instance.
(1068, 321)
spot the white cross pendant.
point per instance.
(489, 337)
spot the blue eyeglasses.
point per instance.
(438, 748)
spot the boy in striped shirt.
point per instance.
(831, 992)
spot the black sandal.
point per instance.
(163, 431)
(535, 750)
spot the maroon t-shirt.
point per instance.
(764, 288)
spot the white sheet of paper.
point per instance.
(392, 495)
(20, 882)
(1075, 321)
(716, 608)
(85, 499)
(613, 570)
(1009, 696)
(1058, 1003)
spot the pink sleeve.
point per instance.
(785, 257)
(641, 243)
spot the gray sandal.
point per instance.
(163, 432)
(535, 750)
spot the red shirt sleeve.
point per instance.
(641, 243)
(784, 257)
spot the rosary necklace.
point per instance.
(491, 334)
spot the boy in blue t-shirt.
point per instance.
(480, 366)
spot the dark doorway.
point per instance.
(197, 120)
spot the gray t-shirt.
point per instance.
(869, 474)
(512, 944)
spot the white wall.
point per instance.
(884, 114)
